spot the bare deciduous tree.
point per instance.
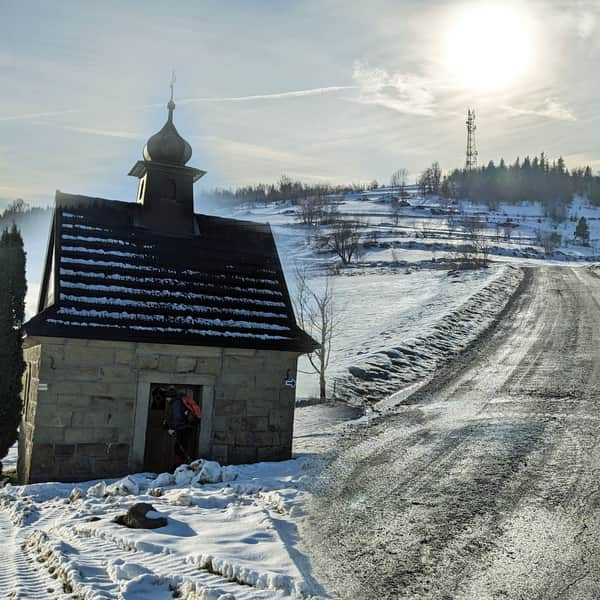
(344, 239)
(310, 210)
(319, 315)
(476, 250)
(399, 179)
(396, 210)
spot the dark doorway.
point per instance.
(160, 453)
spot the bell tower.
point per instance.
(166, 186)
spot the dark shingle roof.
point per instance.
(113, 279)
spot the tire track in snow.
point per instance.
(20, 575)
(175, 568)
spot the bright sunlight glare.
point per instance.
(489, 47)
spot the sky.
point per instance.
(335, 91)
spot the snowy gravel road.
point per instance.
(486, 483)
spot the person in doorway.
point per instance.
(177, 425)
(183, 416)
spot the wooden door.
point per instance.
(159, 455)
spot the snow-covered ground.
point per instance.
(236, 536)
(233, 532)
(9, 462)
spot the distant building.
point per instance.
(138, 296)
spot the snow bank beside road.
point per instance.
(388, 371)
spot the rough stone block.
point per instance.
(224, 437)
(50, 435)
(62, 387)
(208, 365)
(83, 374)
(166, 364)
(64, 451)
(243, 352)
(220, 423)
(229, 408)
(242, 454)
(185, 364)
(93, 357)
(60, 418)
(73, 401)
(220, 452)
(124, 357)
(256, 438)
(92, 450)
(255, 423)
(273, 453)
(90, 418)
(148, 361)
(78, 435)
(258, 407)
(44, 449)
(122, 389)
(281, 419)
(116, 373)
(119, 452)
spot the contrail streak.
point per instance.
(275, 96)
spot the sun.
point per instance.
(489, 47)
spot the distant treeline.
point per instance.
(552, 184)
(19, 212)
(284, 189)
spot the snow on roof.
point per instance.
(116, 280)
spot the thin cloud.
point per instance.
(40, 115)
(275, 96)
(402, 92)
(125, 135)
(183, 101)
(550, 109)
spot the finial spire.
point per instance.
(171, 104)
(173, 80)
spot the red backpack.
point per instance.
(193, 410)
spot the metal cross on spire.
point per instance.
(173, 80)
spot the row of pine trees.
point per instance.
(552, 184)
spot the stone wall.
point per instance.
(254, 410)
(90, 421)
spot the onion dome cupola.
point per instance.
(166, 186)
(167, 146)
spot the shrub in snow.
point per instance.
(76, 494)
(163, 480)
(124, 487)
(209, 473)
(183, 475)
(182, 499)
(98, 490)
(229, 473)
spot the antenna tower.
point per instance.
(471, 162)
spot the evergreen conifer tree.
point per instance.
(582, 231)
(12, 313)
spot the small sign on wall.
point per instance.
(42, 387)
(289, 380)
